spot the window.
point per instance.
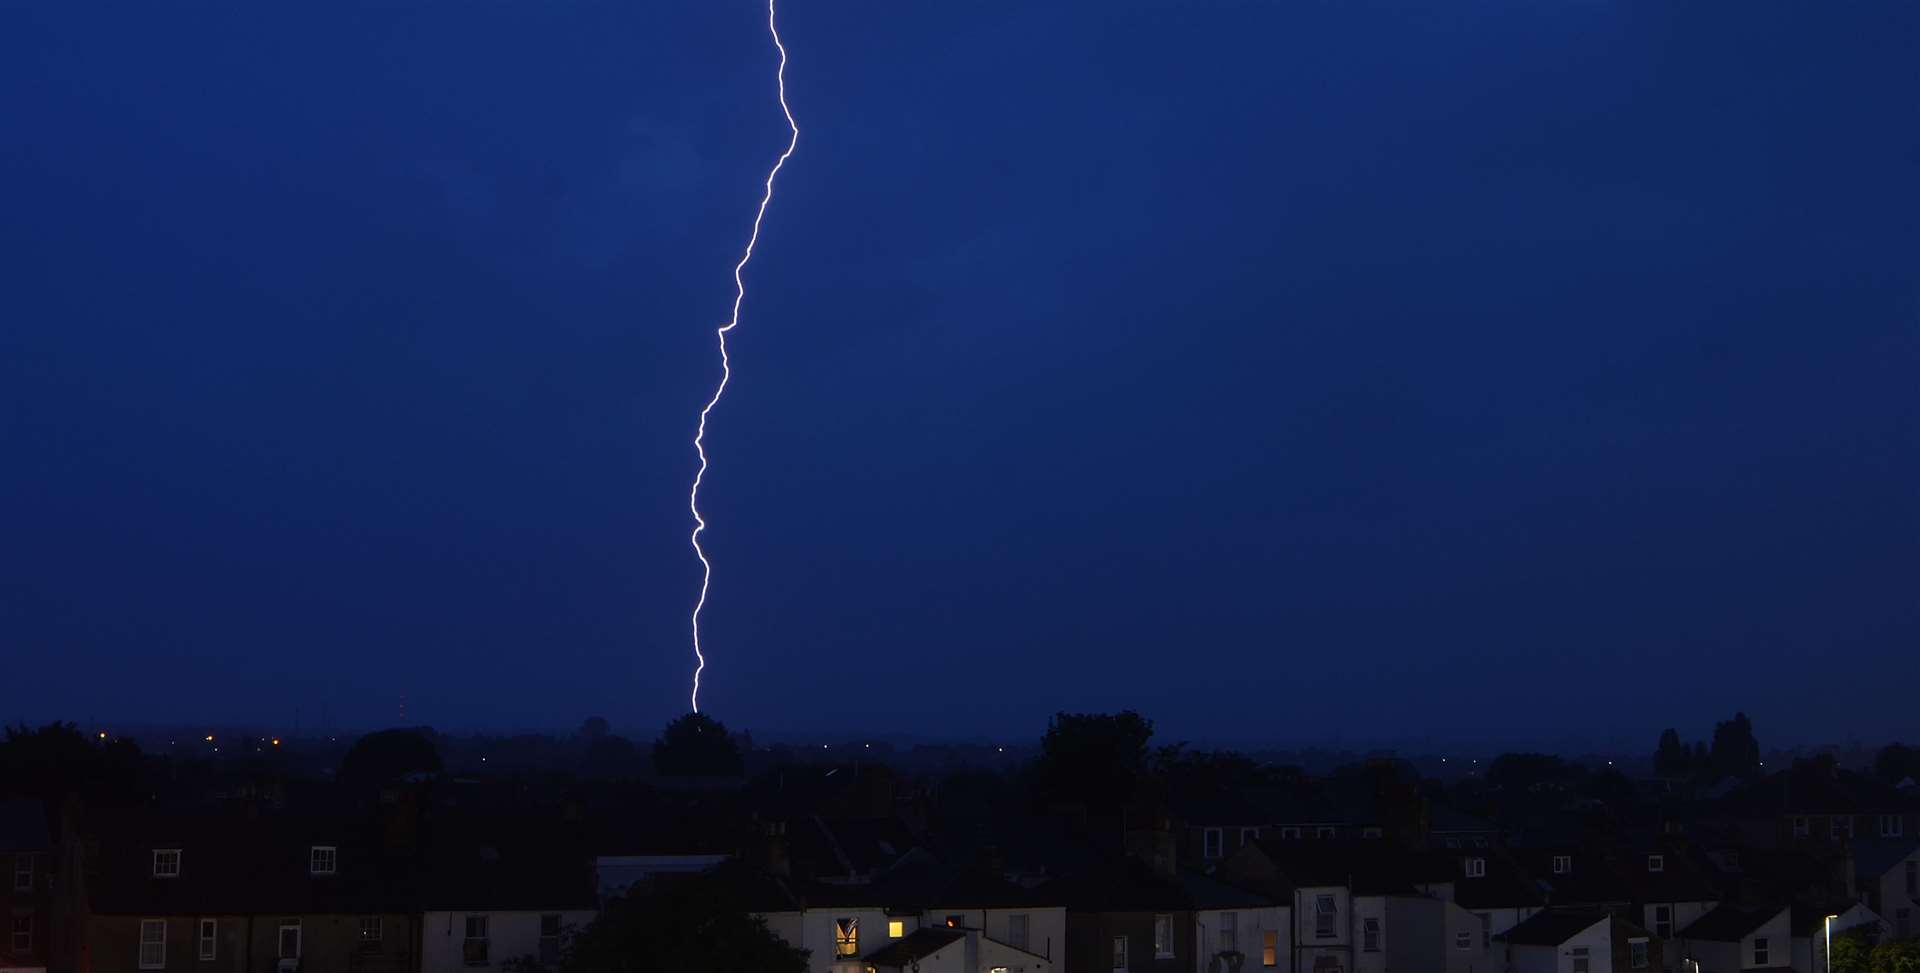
(1891, 825)
(290, 938)
(166, 863)
(1017, 930)
(1120, 953)
(323, 859)
(1663, 921)
(1760, 951)
(1325, 916)
(1476, 868)
(1370, 934)
(23, 873)
(1270, 948)
(1162, 936)
(209, 939)
(1453, 842)
(846, 936)
(1229, 932)
(476, 945)
(1637, 953)
(550, 940)
(370, 932)
(1249, 835)
(896, 928)
(1840, 826)
(1369, 832)
(1656, 863)
(1463, 940)
(1902, 922)
(1211, 841)
(1486, 929)
(1800, 829)
(1289, 832)
(22, 935)
(1562, 864)
(1323, 832)
(1913, 879)
(153, 944)
(1582, 962)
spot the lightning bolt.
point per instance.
(726, 367)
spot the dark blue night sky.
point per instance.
(1284, 369)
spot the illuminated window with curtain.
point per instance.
(1269, 948)
(846, 937)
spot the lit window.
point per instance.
(896, 928)
(1120, 953)
(1325, 915)
(323, 859)
(1463, 940)
(846, 937)
(1582, 961)
(1562, 864)
(22, 935)
(153, 944)
(1229, 932)
(1162, 936)
(23, 873)
(1637, 953)
(290, 939)
(166, 863)
(1017, 930)
(1760, 952)
(1656, 863)
(1211, 841)
(209, 939)
(1476, 868)
(1270, 948)
(1370, 934)
(478, 943)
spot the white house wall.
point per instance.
(1250, 928)
(510, 936)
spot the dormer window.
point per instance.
(1213, 843)
(1476, 868)
(1562, 864)
(323, 859)
(1656, 863)
(166, 863)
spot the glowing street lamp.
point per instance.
(1829, 924)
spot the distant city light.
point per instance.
(209, 738)
(276, 741)
(103, 734)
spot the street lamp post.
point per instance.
(1829, 925)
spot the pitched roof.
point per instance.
(1123, 887)
(1873, 858)
(1729, 924)
(1370, 866)
(916, 945)
(1207, 892)
(1504, 884)
(1552, 927)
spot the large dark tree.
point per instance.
(689, 925)
(1515, 772)
(1896, 762)
(696, 745)
(1735, 752)
(57, 760)
(1672, 759)
(1094, 759)
(385, 756)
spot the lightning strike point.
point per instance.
(726, 369)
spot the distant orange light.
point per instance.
(276, 741)
(209, 738)
(103, 734)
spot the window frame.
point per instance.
(1656, 864)
(1892, 826)
(299, 940)
(1120, 950)
(1229, 932)
(1463, 939)
(482, 954)
(23, 872)
(1289, 831)
(1370, 934)
(1213, 843)
(329, 854)
(1639, 952)
(1476, 867)
(172, 856)
(377, 924)
(1835, 823)
(1562, 864)
(1801, 826)
(1658, 921)
(207, 939)
(1249, 835)
(846, 937)
(549, 942)
(1582, 959)
(1162, 935)
(1762, 951)
(1269, 948)
(21, 948)
(1026, 930)
(159, 944)
(1326, 916)
(896, 928)
(1325, 831)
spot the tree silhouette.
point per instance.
(1095, 759)
(384, 756)
(691, 924)
(1672, 758)
(696, 745)
(1735, 752)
